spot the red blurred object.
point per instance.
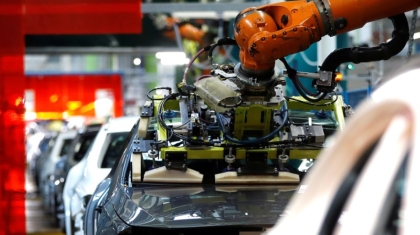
(73, 93)
(12, 146)
(20, 17)
(83, 17)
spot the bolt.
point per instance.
(239, 170)
(273, 36)
(166, 155)
(263, 39)
(341, 26)
(275, 169)
(294, 29)
(284, 33)
(253, 45)
(183, 165)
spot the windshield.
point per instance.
(82, 147)
(114, 149)
(44, 144)
(205, 207)
(66, 146)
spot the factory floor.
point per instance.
(38, 222)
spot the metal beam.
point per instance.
(215, 7)
(97, 50)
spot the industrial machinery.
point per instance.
(235, 125)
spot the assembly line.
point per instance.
(230, 152)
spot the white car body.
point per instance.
(382, 196)
(48, 165)
(84, 177)
(32, 145)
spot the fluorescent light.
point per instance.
(172, 58)
(416, 35)
(174, 61)
(226, 15)
(65, 115)
(174, 55)
(137, 61)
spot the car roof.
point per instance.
(69, 134)
(122, 124)
(91, 129)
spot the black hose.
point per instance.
(367, 54)
(155, 89)
(292, 74)
(314, 100)
(296, 79)
(220, 42)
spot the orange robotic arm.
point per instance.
(270, 32)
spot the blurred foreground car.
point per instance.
(83, 178)
(367, 182)
(47, 163)
(80, 145)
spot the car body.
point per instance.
(120, 205)
(42, 149)
(79, 147)
(83, 178)
(371, 171)
(32, 145)
(47, 164)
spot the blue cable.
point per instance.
(256, 141)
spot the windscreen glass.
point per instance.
(66, 146)
(115, 149)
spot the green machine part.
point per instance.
(252, 122)
(255, 120)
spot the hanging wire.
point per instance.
(184, 78)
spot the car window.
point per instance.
(66, 146)
(43, 145)
(114, 150)
(51, 143)
(82, 147)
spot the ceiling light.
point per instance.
(174, 61)
(172, 55)
(137, 61)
